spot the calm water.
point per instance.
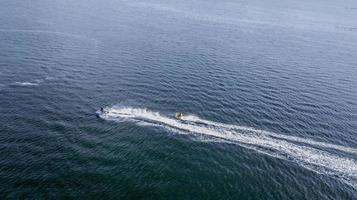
(268, 92)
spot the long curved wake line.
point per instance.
(286, 137)
(282, 146)
(82, 37)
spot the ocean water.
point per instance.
(268, 91)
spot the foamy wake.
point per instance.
(308, 153)
(34, 83)
(27, 83)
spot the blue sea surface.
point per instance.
(268, 92)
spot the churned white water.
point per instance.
(282, 146)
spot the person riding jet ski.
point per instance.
(102, 111)
(178, 116)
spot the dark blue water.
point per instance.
(268, 91)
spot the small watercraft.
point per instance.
(178, 116)
(102, 111)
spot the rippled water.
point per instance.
(268, 92)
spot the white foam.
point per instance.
(262, 141)
(34, 83)
(280, 136)
(27, 83)
(50, 78)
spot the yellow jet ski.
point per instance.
(178, 116)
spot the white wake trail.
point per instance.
(27, 83)
(262, 141)
(280, 136)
